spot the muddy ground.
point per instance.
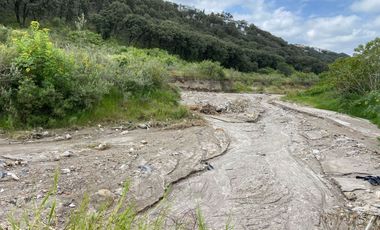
(259, 163)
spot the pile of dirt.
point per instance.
(209, 110)
(237, 106)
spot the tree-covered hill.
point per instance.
(190, 33)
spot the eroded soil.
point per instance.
(274, 165)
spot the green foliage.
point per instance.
(42, 83)
(47, 86)
(352, 85)
(190, 33)
(120, 216)
(4, 33)
(285, 69)
(359, 74)
(84, 37)
(204, 70)
(200, 220)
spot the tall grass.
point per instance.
(121, 216)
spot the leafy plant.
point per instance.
(43, 83)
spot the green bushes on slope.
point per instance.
(190, 33)
(43, 85)
(352, 85)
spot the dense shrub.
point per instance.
(204, 70)
(359, 74)
(4, 33)
(352, 85)
(42, 83)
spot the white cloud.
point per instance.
(366, 6)
(376, 22)
(340, 33)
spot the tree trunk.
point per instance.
(25, 13)
(17, 11)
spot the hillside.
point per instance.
(190, 33)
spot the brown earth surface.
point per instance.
(272, 165)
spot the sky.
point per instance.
(337, 25)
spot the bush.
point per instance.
(4, 33)
(140, 78)
(359, 74)
(85, 37)
(204, 70)
(42, 83)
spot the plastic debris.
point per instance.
(373, 180)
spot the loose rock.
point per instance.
(103, 197)
(59, 138)
(66, 171)
(350, 196)
(68, 137)
(102, 147)
(143, 126)
(144, 142)
(67, 154)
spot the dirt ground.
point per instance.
(259, 163)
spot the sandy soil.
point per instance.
(274, 165)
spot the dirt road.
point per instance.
(272, 165)
(283, 172)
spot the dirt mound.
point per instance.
(209, 110)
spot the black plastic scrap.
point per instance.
(373, 180)
(209, 166)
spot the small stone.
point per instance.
(174, 153)
(102, 147)
(350, 196)
(67, 154)
(2, 190)
(72, 205)
(124, 132)
(68, 137)
(66, 171)
(123, 167)
(316, 151)
(119, 191)
(144, 142)
(102, 198)
(45, 134)
(59, 138)
(143, 126)
(13, 176)
(104, 193)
